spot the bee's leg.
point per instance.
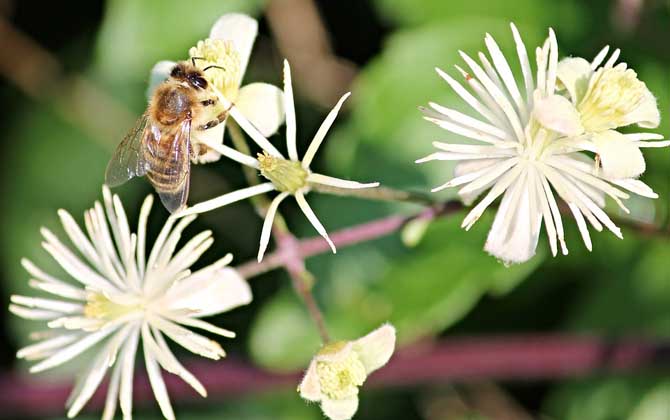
(208, 102)
(218, 120)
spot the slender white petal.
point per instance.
(322, 131)
(46, 347)
(97, 372)
(47, 304)
(636, 186)
(470, 99)
(33, 314)
(112, 394)
(525, 64)
(600, 57)
(253, 132)
(339, 183)
(127, 366)
(289, 107)
(209, 293)
(506, 74)
(73, 350)
(498, 96)
(307, 210)
(231, 153)
(142, 233)
(180, 370)
(267, 224)
(226, 199)
(470, 122)
(157, 383)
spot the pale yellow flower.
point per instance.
(339, 369)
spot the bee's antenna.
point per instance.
(213, 66)
(196, 58)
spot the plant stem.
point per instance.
(500, 357)
(349, 236)
(301, 279)
(379, 193)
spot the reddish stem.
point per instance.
(349, 236)
(529, 357)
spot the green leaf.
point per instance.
(59, 167)
(421, 292)
(137, 34)
(414, 12)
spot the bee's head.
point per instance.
(189, 74)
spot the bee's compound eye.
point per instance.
(199, 82)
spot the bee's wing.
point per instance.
(172, 168)
(128, 160)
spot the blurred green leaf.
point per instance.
(415, 12)
(421, 292)
(598, 399)
(137, 34)
(57, 167)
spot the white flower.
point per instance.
(340, 368)
(602, 99)
(118, 297)
(229, 48)
(291, 177)
(524, 161)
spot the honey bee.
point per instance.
(159, 146)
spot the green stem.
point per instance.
(379, 194)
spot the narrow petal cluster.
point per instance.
(533, 142)
(290, 177)
(339, 369)
(223, 57)
(115, 298)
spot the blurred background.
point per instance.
(72, 81)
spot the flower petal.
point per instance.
(310, 387)
(340, 409)
(376, 348)
(558, 114)
(647, 114)
(515, 232)
(263, 105)
(574, 73)
(157, 383)
(241, 30)
(213, 135)
(159, 73)
(211, 294)
(619, 156)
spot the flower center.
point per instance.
(99, 306)
(286, 175)
(340, 379)
(226, 76)
(613, 93)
